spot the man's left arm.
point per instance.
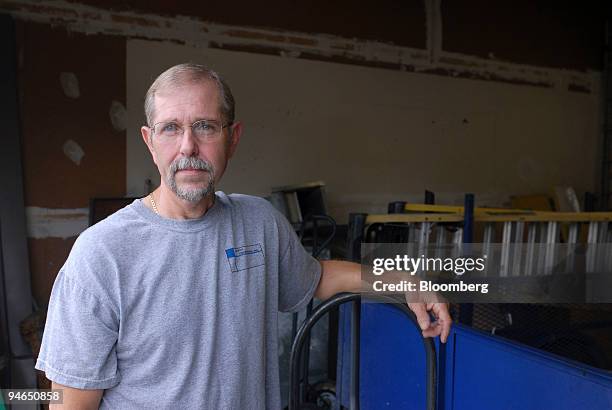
(341, 276)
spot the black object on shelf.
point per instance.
(100, 208)
(297, 202)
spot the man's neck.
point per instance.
(170, 206)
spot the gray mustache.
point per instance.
(194, 163)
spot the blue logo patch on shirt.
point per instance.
(245, 257)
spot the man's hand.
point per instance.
(340, 276)
(440, 327)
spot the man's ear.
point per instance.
(234, 138)
(147, 136)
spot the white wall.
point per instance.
(376, 135)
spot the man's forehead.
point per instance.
(201, 98)
(200, 92)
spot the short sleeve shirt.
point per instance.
(164, 313)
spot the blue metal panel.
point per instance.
(392, 360)
(480, 371)
(487, 372)
(392, 363)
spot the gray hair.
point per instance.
(186, 73)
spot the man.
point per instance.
(172, 302)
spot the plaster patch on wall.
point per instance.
(73, 151)
(118, 116)
(56, 223)
(70, 85)
(197, 33)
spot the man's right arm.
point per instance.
(77, 399)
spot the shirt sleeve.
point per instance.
(299, 272)
(79, 340)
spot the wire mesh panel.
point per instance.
(580, 332)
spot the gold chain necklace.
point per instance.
(153, 203)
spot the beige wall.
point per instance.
(376, 135)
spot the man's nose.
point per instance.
(189, 146)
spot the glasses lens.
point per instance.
(167, 129)
(206, 128)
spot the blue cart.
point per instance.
(475, 370)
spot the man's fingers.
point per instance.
(434, 330)
(444, 319)
(422, 316)
(441, 327)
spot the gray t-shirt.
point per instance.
(175, 314)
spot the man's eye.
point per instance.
(205, 127)
(202, 126)
(169, 128)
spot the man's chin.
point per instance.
(193, 194)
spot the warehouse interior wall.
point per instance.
(72, 149)
(378, 102)
(374, 135)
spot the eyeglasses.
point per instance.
(202, 130)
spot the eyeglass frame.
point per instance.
(182, 127)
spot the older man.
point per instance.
(172, 302)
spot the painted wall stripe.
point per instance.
(56, 223)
